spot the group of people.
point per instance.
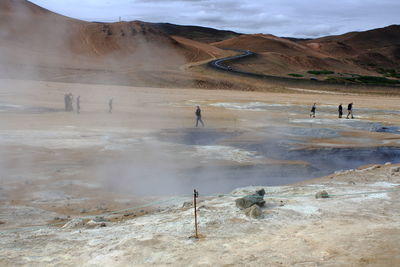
(68, 99)
(340, 110)
(69, 103)
(312, 114)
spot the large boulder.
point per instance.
(253, 212)
(74, 223)
(322, 194)
(248, 201)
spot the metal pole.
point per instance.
(195, 195)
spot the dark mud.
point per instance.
(283, 147)
(195, 136)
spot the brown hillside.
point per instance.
(378, 47)
(361, 53)
(39, 44)
(279, 56)
(36, 39)
(375, 38)
(261, 43)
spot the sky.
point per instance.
(289, 18)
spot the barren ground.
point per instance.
(60, 167)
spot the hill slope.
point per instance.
(363, 53)
(39, 43)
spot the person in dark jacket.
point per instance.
(340, 109)
(350, 110)
(198, 117)
(110, 105)
(313, 109)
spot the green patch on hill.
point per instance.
(295, 75)
(389, 73)
(374, 80)
(320, 72)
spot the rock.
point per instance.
(187, 204)
(74, 223)
(253, 212)
(99, 219)
(322, 194)
(1, 222)
(92, 224)
(248, 201)
(95, 224)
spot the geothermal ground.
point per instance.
(64, 174)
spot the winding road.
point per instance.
(223, 65)
(218, 63)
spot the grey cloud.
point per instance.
(316, 31)
(298, 18)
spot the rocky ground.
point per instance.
(358, 225)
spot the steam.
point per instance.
(37, 44)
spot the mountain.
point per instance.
(39, 43)
(374, 47)
(196, 33)
(374, 52)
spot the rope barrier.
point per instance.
(154, 203)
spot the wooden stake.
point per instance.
(195, 196)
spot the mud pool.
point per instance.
(280, 155)
(286, 148)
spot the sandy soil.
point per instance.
(58, 166)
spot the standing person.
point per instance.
(198, 117)
(78, 104)
(340, 109)
(313, 109)
(110, 105)
(66, 101)
(350, 110)
(70, 102)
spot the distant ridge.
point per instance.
(197, 33)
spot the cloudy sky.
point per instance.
(297, 18)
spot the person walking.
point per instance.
(340, 109)
(198, 117)
(313, 109)
(66, 101)
(110, 105)
(70, 102)
(78, 104)
(350, 110)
